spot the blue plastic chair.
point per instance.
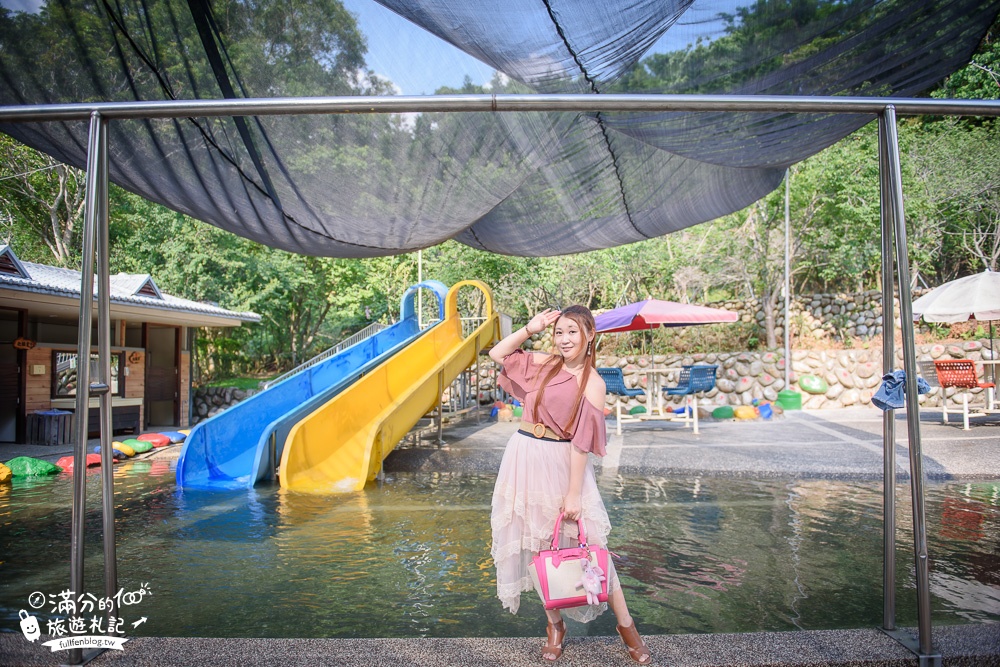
(693, 380)
(614, 380)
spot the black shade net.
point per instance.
(532, 184)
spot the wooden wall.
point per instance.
(38, 388)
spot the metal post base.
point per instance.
(88, 655)
(910, 642)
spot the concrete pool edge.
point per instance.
(959, 645)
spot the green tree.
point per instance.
(42, 201)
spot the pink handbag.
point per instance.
(558, 574)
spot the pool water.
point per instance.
(410, 557)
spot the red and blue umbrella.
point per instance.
(653, 313)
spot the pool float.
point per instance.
(140, 446)
(66, 462)
(158, 439)
(745, 412)
(5, 473)
(25, 466)
(175, 436)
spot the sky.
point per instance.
(415, 60)
(31, 6)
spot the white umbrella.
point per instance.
(975, 297)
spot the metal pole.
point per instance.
(888, 119)
(91, 214)
(475, 385)
(104, 363)
(440, 425)
(788, 246)
(278, 106)
(889, 416)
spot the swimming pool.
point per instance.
(410, 557)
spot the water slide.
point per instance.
(341, 446)
(239, 446)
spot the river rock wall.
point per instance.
(848, 377)
(210, 401)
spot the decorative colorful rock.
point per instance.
(813, 384)
(140, 446)
(158, 439)
(66, 462)
(723, 412)
(124, 449)
(26, 466)
(115, 453)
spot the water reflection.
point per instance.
(410, 557)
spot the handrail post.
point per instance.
(924, 650)
(104, 366)
(92, 213)
(475, 380)
(440, 378)
(889, 416)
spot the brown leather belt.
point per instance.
(540, 431)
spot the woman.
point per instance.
(545, 467)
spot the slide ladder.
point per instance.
(341, 446)
(240, 446)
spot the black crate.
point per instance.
(52, 427)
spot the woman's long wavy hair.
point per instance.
(585, 320)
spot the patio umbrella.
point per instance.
(975, 297)
(653, 313)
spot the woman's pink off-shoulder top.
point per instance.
(521, 378)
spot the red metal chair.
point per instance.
(961, 373)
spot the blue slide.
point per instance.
(241, 445)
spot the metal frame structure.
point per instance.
(893, 239)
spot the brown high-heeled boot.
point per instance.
(637, 649)
(554, 634)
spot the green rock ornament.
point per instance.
(813, 384)
(723, 412)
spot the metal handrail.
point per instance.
(367, 332)
(470, 324)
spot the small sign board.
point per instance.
(24, 343)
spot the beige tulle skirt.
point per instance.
(532, 481)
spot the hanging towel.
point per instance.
(892, 394)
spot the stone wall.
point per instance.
(850, 376)
(210, 401)
(823, 316)
(820, 316)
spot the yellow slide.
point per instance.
(341, 445)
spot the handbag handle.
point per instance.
(579, 525)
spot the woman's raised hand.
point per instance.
(542, 321)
